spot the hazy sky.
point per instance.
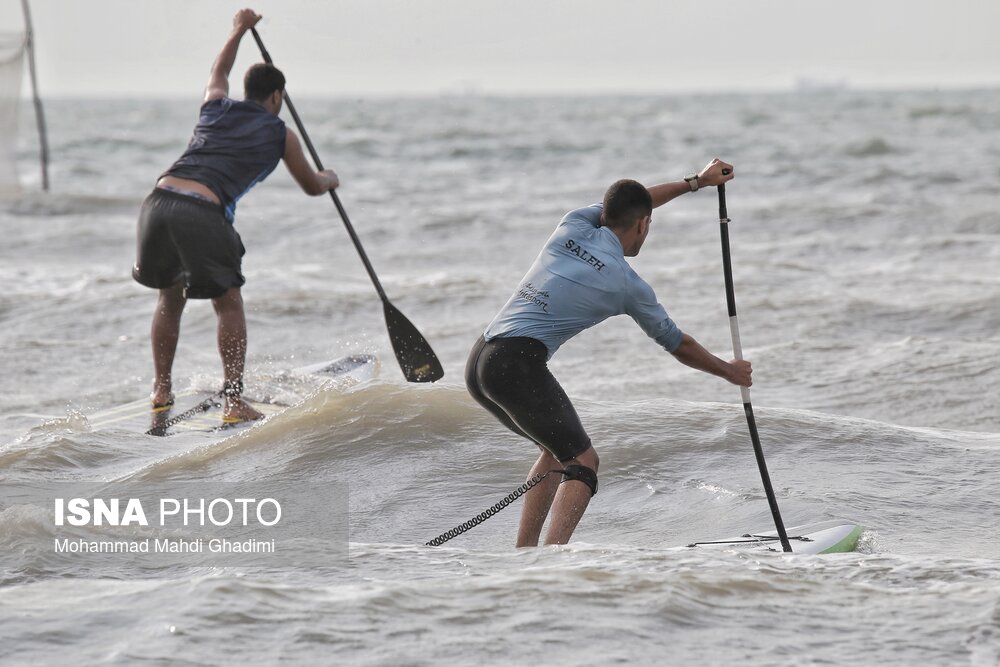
(141, 47)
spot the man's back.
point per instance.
(235, 145)
(579, 279)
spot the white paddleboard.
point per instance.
(818, 538)
(200, 412)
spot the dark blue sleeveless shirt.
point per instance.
(235, 146)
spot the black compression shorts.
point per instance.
(183, 238)
(510, 378)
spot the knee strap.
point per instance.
(582, 474)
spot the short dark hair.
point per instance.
(625, 202)
(261, 80)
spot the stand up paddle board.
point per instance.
(194, 411)
(817, 538)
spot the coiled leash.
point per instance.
(209, 403)
(230, 389)
(581, 473)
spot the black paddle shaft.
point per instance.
(744, 391)
(319, 166)
(414, 354)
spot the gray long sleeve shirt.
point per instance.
(581, 278)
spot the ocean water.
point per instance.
(866, 244)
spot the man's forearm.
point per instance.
(715, 172)
(664, 192)
(224, 62)
(691, 353)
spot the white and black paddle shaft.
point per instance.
(414, 354)
(734, 327)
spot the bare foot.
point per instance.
(161, 398)
(237, 410)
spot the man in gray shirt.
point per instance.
(580, 278)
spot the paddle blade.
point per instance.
(414, 353)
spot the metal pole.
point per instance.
(39, 111)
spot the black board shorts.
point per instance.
(510, 378)
(185, 239)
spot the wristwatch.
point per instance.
(692, 181)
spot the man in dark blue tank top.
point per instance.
(187, 246)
